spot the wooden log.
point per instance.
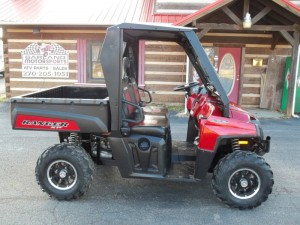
(272, 83)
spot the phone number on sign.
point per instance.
(31, 73)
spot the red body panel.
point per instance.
(212, 124)
(190, 100)
(44, 123)
(214, 127)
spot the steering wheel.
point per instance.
(186, 87)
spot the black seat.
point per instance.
(133, 114)
(153, 126)
(134, 91)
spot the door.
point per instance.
(229, 67)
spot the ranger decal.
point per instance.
(45, 123)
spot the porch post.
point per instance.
(293, 79)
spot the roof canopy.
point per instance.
(272, 22)
(282, 7)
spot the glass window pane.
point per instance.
(94, 65)
(97, 70)
(95, 52)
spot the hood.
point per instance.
(240, 114)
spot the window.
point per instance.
(179, 6)
(94, 67)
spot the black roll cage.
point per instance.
(113, 51)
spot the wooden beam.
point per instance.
(231, 15)
(202, 33)
(221, 26)
(237, 40)
(243, 53)
(261, 14)
(287, 37)
(239, 35)
(293, 79)
(246, 7)
(281, 11)
(194, 22)
(275, 40)
(273, 16)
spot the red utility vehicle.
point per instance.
(112, 126)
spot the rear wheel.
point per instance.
(64, 171)
(242, 180)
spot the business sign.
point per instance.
(45, 60)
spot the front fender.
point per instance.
(214, 127)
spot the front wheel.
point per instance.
(64, 171)
(242, 180)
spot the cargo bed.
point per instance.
(64, 108)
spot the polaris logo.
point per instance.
(52, 125)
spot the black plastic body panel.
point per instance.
(136, 161)
(87, 106)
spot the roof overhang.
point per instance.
(221, 3)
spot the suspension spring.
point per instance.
(235, 145)
(73, 138)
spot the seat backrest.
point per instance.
(135, 90)
(128, 109)
(132, 84)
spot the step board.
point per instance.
(183, 152)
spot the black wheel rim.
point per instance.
(62, 175)
(244, 183)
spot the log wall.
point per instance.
(17, 40)
(165, 68)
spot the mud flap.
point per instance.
(203, 162)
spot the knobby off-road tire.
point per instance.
(242, 180)
(64, 171)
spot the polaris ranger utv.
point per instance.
(112, 126)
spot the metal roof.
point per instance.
(87, 12)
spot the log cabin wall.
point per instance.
(252, 78)
(17, 39)
(165, 68)
(165, 64)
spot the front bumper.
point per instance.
(263, 144)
